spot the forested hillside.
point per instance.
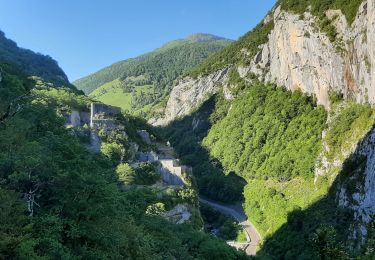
(137, 83)
(61, 201)
(33, 64)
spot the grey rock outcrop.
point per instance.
(363, 200)
(145, 136)
(179, 214)
(299, 56)
(78, 118)
(190, 93)
(172, 172)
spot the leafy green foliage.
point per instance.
(144, 174)
(228, 228)
(324, 241)
(13, 222)
(309, 223)
(61, 202)
(349, 124)
(126, 174)
(155, 209)
(64, 99)
(269, 132)
(268, 202)
(319, 7)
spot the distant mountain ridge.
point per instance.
(139, 82)
(91, 82)
(32, 63)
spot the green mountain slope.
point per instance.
(157, 69)
(33, 64)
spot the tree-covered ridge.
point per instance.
(161, 66)
(33, 64)
(235, 53)
(269, 132)
(61, 202)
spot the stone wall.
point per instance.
(98, 109)
(77, 118)
(171, 172)
(101, 117)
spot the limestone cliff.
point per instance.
(188, 94)
(298, 55)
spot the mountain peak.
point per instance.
(203, 37)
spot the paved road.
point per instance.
(252, 235)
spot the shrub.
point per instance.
(155, 209)
(126, 174)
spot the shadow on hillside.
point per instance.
(185, 135)
(320, 231)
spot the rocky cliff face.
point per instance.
(189, 94)
(362, 201)
(298, 55)
(371, 39)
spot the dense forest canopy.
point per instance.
(269, 132)
(61, 201)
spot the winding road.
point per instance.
(252, 235)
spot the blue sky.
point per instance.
(87, 35)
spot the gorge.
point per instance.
(205, 148)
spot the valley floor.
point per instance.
(252, 235)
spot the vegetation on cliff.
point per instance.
(244, 50)
(269, 132)
(239, 52)
(318, 8)
(266, 130)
